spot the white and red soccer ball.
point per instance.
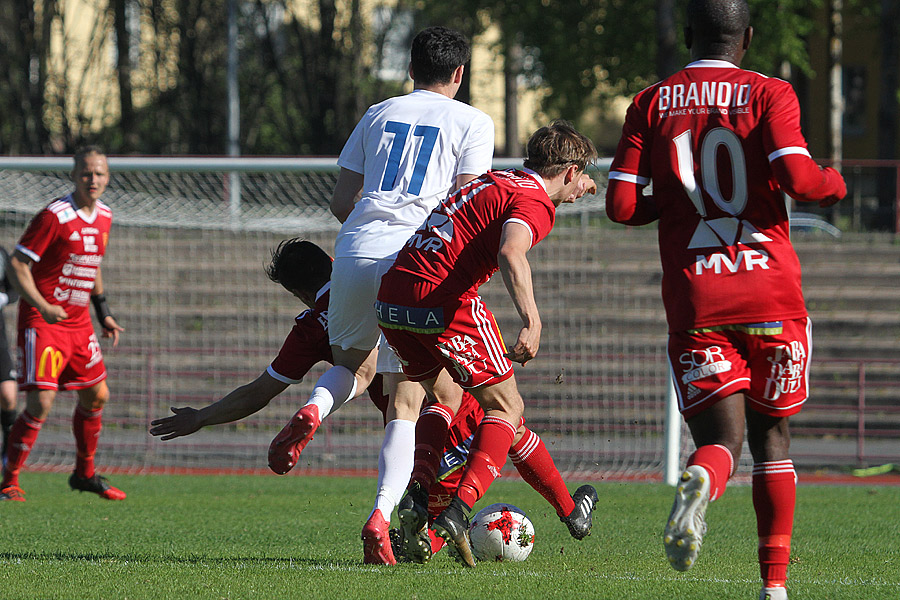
(501, 532)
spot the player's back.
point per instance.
(457, 245)
(712, 119)
(712, 130)
(409, 149)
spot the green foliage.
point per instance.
(584, 52)
(780, 31)
(288, 537)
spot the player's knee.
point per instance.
(94, 399)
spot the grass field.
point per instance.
(298, 537)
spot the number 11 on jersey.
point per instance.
(429, 136)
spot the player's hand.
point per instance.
(111, 329)
(841, 187)
(527, 345)
(586, 185)
(185, 421)
(54, 313)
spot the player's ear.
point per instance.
(410, 71)
(458, 74)
(748, 35)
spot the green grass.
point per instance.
(298, 537)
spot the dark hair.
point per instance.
(84, 151)
(718, 24)
(553, 148)
(299, 265)
(436, 53)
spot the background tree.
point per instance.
(23, 52)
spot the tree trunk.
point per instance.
(123, 65)
(666, 39)
(512, 67)
(836, 105)
(887, 217)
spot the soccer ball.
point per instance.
(501, 532)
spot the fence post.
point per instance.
(861, 416)
(673, 435)
(897, 202)
(151, 399)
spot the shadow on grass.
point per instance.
(171, 559)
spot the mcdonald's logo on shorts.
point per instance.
(55, 359)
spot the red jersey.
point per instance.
(457, 245)
(307, 344)
(705, 137)
(67, 247)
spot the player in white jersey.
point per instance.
(404, 156)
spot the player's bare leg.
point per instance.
(718, 433)
(86, 425)
(774, 499)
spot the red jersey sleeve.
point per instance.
(632, 160)
(41, 232)
(794, 169)
(781, 122)
(536, 214)
(305, 346)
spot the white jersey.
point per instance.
(409, 149)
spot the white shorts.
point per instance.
(388, 361)
(351, 309)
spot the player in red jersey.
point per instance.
(56, 269)
(720, 145)
(304, 270)
(431, 314)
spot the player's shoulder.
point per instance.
(61, 210)
(421, 101)
(103, 209)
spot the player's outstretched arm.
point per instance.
(514, 244)
(240, 403)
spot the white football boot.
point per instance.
(773, 593)
(686, 525)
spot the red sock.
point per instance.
(774, 497)
(437, 542)
(431, 435)
(718, 462)
(21, 439)
(487, 455)
(537, 468)
(86, 425)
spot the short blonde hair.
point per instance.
(556, 146)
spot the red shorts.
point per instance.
(767, 362)
(54, 357)
(462, 337)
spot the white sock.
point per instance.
(336, 386)
(395, 465)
